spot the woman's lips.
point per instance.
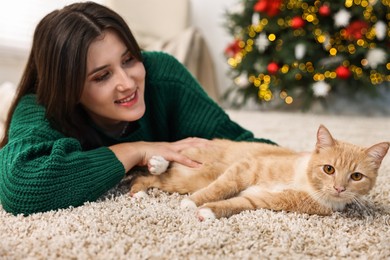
(128, 101)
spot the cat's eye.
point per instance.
(356, 176)
(328, 169)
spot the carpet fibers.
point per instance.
(120, 227)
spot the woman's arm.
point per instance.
(38, 176)
(139, 153)
(41, 169)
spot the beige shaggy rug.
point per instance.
(119, 227)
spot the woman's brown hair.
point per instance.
(56, 67)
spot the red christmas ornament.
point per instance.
(233, 48)
(324, 10)
(297, 22)
(274, 7)
(356, 30)
(260, 6)
(343, 72)
(270, 7)
(273, 68)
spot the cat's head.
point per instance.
(340, 172)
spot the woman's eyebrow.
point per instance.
(105, 66)
(97, 69)
(125, 52)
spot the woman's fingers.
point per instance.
(169, 151)
(179, 158)
(190, 142)
(183, 144)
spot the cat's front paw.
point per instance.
(205, 214)
(157, 165)
(139, 195)
(187, 204)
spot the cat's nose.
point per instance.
(339, 189)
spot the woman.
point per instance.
(90, 106)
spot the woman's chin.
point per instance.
(135, 113)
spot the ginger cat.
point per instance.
(238, 176)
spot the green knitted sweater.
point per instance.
(41, 169)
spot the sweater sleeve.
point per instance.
(190, 111)
(43, 170)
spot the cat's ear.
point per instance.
(378, 152)
(324, 138)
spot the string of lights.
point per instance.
(305, 50)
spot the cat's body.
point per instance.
(237, 176)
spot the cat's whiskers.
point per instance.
(322, 197)
(319, 196)
(307, 200)
(356, 201)
(363, 205)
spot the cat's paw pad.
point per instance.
(205, 214)
(157, 165)
(187, 204)
(139, 195)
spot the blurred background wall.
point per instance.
(18, 19)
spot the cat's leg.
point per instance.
(288, 200)
(178, 178)
(224, 208)
(156, 166)
(292, 201)
(141, 184)
(235, 179)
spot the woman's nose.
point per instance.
(124, 81)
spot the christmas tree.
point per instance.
(299, 51)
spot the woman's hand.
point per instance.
(139, 153)
(171, 151)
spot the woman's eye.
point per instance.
(102, 77)
(128, 60)
(356, 176)
(328, 169)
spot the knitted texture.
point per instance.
(41, 169)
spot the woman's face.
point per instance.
(115, 83)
